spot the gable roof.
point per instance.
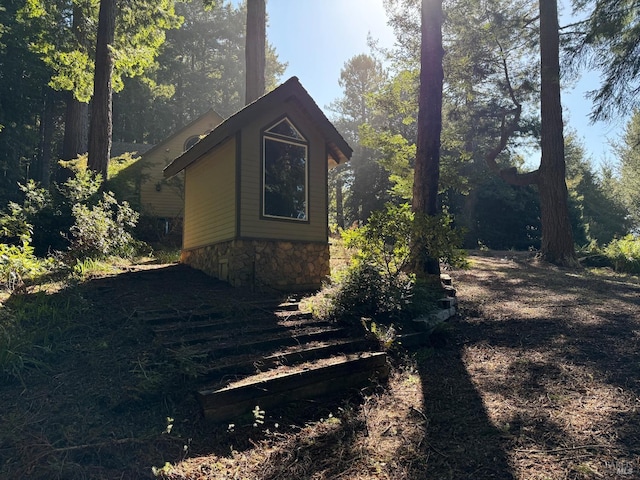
(209, 113)
(291, 90)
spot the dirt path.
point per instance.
(553, 356)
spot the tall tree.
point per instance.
(76, 130)
(557, 240)
(100, 126)
(255, 49)
(200, 67)
(427, 165)
(24, 98)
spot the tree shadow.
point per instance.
(460, 440)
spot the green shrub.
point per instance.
(18, 264)
(385, 241)
(103, 230)
(377, 284)
(624, 254)
(365, 291)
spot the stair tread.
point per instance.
(251, 363)
(284, 373)
(287, 337)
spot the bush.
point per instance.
(377, 283)
(18, 264)
(73, 217)
(103, 230)
(624, 254)
(365, 291)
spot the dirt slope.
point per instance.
(537, 378)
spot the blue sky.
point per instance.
(316, 38)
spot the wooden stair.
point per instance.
(264, 354)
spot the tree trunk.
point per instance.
(427, 166)
(100, 128)
(255, 52)
(76, 128)
(557, 240)
(339, 201)
(76, 122)
(42, 172)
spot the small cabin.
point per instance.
(256, 200)
(161, 197)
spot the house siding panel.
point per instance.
(253, 226)
(168, 202)
(210, 214)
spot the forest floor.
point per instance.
(537, 377)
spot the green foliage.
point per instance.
(377, 284)
(365, 291)
(624, 254)
(18, 263)
(75, 218)
(103, 229)
(385, 241)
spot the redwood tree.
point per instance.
(427, 164)
(255, 52)
(100, 126)
(557, 238)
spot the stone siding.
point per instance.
(283, 265)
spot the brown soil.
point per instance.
(538, 377)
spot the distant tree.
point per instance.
(427, 165)
(597, 214)
(255, 56)
(365, 181)
(199, 67)
(628, 186)
(25, 102)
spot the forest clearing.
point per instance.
(537, 377)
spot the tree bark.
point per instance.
(76, 122)
(427, 165)
(255, 53)
(339, 201)
(557, 239)
(101, 127)
(76, 128)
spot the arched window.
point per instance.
(191, 141)
(284, 179)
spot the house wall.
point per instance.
(252, 226)
(168, 201)
(224, 234)
(210, 197)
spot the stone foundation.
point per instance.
(263, 263)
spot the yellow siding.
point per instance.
(168, 202)
(210, 187)
(252, 226)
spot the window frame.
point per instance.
(267, 135)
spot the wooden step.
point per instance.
(276, 388)
(243, 365)
(259, 343)
(241, 325)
